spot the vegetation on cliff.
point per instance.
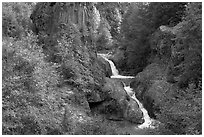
(52, 77)
(44, 74)
(173, 94)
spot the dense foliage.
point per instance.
(40, 71)
(166, 13)
(15, 18)
(186, 69)
(111, 14)
(187, 59)
(28, 86)
(174, 94)
(135, 29)
(140, 21)
(51, 72)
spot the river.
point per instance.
(148, 122)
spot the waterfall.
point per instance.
(115, 74)
(147, 120)
(113, 68)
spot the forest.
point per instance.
(54, 82)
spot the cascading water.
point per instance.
(113, 68)
(115, 74)
(147, 120)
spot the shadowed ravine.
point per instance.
(148, 122)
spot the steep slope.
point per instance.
(169, 87)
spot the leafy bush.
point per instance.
(166, 13)
(104, 40)
(29, 89)
(187, 60)
(110, 12)
(135, 29)
(91, 128)
(16, 18)
(182, 112)
(179, 110)
(138, 24)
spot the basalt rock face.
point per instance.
(118, 105)
(105, 65)
(66, 41)
(65, 44)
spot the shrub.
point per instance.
(102, 128)
(187, 59)
(139, 22)
(135, 29)
(29, 104)
(182, 113)
(104, 40)
(15, 18)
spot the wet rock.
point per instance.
(134, 114)
(114, 89)
(105, 66)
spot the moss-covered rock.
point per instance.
(105, 66)
(118, 105)
(134, 114)
(142, 84)
(63, 43)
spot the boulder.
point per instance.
(100, 70)
(134, 114)
(94, 96)
(143, 84)
(105, 66)
(118, 105)
(114, 89)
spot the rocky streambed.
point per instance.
(132, 110)
(114, 109)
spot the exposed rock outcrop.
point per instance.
(64, 43)
(67, 42)
(81, 69)
(118, 105)
(105, 65)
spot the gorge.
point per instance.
(101, 68)
(148, 122)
